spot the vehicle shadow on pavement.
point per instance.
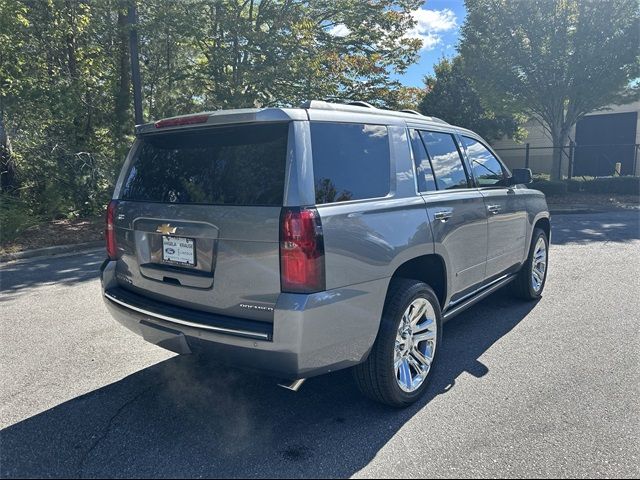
(614, 226)
(19, 277)
(181, 418)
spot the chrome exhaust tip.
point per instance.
(294, 385)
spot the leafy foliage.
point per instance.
(452, 96)
(248, 53)
(65, 88)
(15, 217)
(556, 60)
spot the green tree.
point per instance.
(240, 53)
(452, 97)
(404, 98)
(555, 60)
(59, 67)
(65, 89)
(13, 67)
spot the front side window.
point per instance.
(445, 157)
(239, 165)
(426, 182)
(486, 168)
(350, 161)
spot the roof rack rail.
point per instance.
(357, 105)
(360, 103)
(412, 112)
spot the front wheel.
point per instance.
(402, 358)
(533, 275)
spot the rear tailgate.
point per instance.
(197, 221)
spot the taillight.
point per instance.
(174, 122)
(110, 230)
(301, 251)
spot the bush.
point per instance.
(619, 185)
(549, 187)
(613, 185)
(574, 185)
(15, 217)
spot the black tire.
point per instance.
(376, 377)
(523, 285)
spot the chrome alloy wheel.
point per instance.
(415, 345)
(539, 265)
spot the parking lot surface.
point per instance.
(522, 389)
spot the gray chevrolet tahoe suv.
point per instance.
(307, 240)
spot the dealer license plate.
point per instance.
(179, 250)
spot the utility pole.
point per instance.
(135, 62)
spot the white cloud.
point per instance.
(429, 23)
(339, 30)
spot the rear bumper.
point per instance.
(311, 334)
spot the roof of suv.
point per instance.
(250, 115)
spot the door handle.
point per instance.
(443, 215)
(494, 208)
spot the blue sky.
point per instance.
(438, 26)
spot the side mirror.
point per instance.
(520, 176)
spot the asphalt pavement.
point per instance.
(549, 389)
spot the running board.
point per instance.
(450, 313)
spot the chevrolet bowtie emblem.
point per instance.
(166, 229)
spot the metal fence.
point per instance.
(598, 160)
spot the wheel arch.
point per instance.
(539, 220)
(430, 269)
(545, 224)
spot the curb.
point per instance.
(568, 211)
(50, 251)
(560, 210)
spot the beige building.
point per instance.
(603, 139)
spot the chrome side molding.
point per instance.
(228, 331)
(473, 298)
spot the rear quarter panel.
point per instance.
(370, 241)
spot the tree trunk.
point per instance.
(8, 181)
(123, 95)
(559, 137)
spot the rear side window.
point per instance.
(350, 161)
(426, 181)
(486, 168)
(240, 165)
(446, 160)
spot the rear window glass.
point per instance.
(240, 165)
(350, 161)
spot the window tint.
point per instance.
(350, 161)
(446, 160)
(486, 168)
(426, 182)
(241, 165)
